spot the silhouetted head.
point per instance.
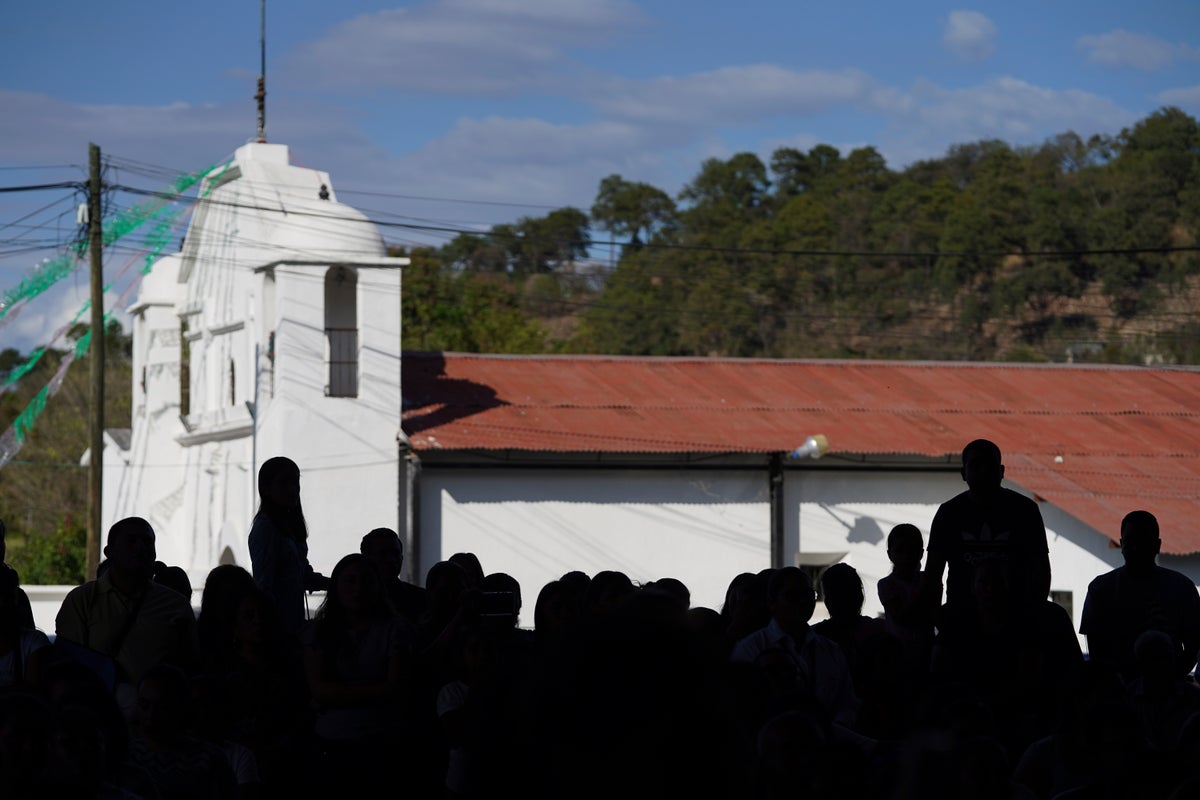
(606, 590)
(552, 615)
(279, 490)
(575, 586)
(905, 547)
(173, 578)
(164, 703)
(355, 590)
(981, 468)
(675, 589)
(505, 592)
(225, 588)
(9, 620)
(791, 598)
(130, 551)
(843, 591)
(444, 586)
(279, 481)
(471, 566)
(386, 551)
(1139, 540)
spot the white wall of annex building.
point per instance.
(702, 527)
(852, 513)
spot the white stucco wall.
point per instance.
(703, 528)
(345, 446)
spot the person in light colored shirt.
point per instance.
(125, 615)
(820, 667)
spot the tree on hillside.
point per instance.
(638, 312)
(450, 309)
(44, 490)
(632, 209)
(797, 172)
(550, 243)
(1154, 176)
(480, 253)
(723, 197)
(985, 252)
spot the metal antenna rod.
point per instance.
(261, 95)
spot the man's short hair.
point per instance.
(379, 533)
(126, 526)
(1139, 522)
(981, 446)
(784, 577)
(905, 534)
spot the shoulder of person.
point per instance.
(1105, 580)
(261, 524)
(1175, 578)
(164, 596)
(1017, 498)
(84, 593)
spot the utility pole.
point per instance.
(96, 418)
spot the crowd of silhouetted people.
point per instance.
(619, 690)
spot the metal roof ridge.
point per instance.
(866, 362)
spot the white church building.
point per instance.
(275, 331)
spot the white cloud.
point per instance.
(740, 94)
(39, 319)
(171, 134)
(1184, 97)
(1122, 48)
(504, 159)
(460, 46)
(1007, 108)
(969, 35)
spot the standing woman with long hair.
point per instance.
(279, 542)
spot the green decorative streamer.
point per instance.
(156, 240)
(59, 267)
(19, 371)
(23, 424)
(38, 281)
(159, 237)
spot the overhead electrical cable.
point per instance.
(54, 270)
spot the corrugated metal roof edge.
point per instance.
(892, 364)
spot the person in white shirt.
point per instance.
(820, 666)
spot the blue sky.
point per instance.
(501, 108)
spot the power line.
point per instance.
(718, 249)
(41, 166)
(448, 200)
(41, 187)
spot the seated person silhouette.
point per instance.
(820, 666)
(1137, 597)
(386, 551)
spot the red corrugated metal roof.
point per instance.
(1127, 436)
